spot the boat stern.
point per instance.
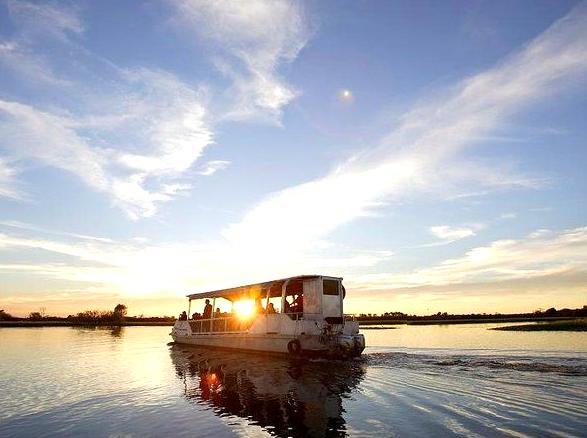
(180, 330)
(349, 345)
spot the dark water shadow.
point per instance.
(116, 331)
(286, 398)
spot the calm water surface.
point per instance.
(460, 380)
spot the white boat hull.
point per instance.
(340, 345)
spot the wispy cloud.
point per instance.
(138, 267)
(544, 263)
(136, 139)
(46, 19)
(8, 184)
(448, 234)
(38, 24)
(133, 140)
(30, 227)
(20, 59)
(211, 167)
(428, 138)
(253, 39)
(51, 139)
(57, 141)
(543, 253)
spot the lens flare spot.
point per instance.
(345, 95)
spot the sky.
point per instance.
(431, 153)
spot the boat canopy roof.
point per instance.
(273, 287)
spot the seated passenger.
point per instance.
(183, 316)
(271, 308)
(286, 306)
(298, 304)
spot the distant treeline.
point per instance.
(118, 316)
(91, 317)
(441, 316)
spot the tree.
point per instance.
(550, 312)
(35, 316)
(93, 316)
(5, 316)
(121, 309)
(119, 313)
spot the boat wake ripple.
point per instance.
(564, 366)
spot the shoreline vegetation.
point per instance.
(551, 319)
(573, 325)
(88, 318)
(460, 321)
(26, 323)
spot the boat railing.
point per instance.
(230, 324)
(295, 315)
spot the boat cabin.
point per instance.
(307, 297)
(300, 315)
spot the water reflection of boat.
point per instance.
(287, 398)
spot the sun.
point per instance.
(244, 309)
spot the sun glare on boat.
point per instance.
(244, 309)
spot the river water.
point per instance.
(460, 380)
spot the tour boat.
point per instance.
(299, 316)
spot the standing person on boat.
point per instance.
(207, 315)
(217, 324)
(207, 310)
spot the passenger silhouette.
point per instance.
(207, 310)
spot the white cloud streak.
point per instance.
(211, 167)
(140, 268)
(254, 38)
(543, 263)
(134, 141)
(8, 183)
(30, 227)
(20, 60)
(543, 253)
(58, 141)
(137, 143)
(427, 138)
(46, 19)
(50, 139)
(446, 232)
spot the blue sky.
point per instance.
(431, 153)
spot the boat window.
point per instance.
(276, 308)
(295, 287)
(330, 287)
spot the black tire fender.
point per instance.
(294, 347)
